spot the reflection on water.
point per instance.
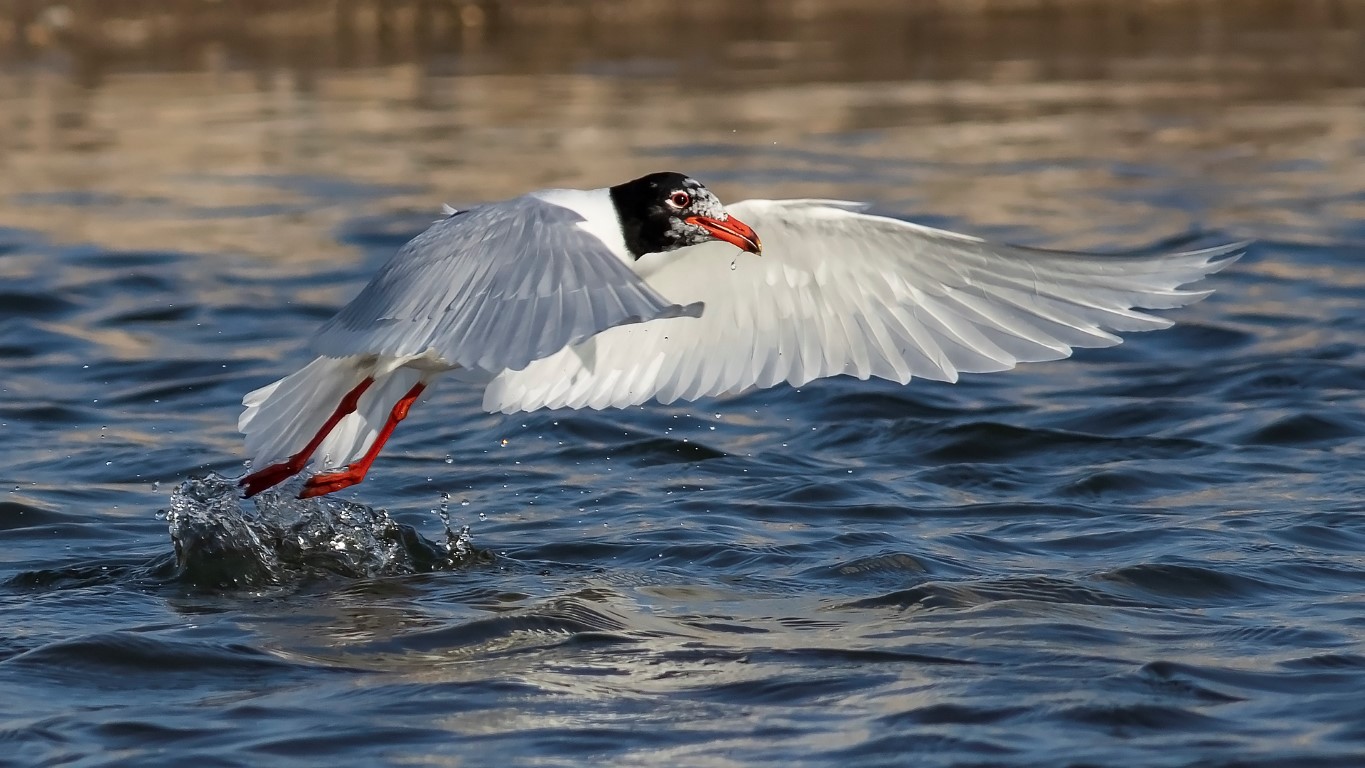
(155, 130)
(1149, 554)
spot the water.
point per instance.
(1148, 555)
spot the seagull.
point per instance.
(613, 297)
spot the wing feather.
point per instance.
(840, 291)
(493, 288)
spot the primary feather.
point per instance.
(493, 287)
(840, 291)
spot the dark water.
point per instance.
(1148, 555)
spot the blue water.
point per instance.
(1151, 555)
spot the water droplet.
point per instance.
(734, 265)
(464, 502)
(156, 486)
(450, 459)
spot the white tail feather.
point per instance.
(281, 418)
(351, 437)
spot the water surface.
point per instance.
(1148, 555)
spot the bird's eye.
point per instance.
(680, 200)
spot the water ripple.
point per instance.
(1147, 555)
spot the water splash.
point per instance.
(223, 540)
(458, 544)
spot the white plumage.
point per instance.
(539, 300)
(839, 291)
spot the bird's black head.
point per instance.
(666, 211)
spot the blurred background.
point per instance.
(155, 124)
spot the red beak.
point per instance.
(732, 231)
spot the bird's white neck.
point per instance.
(600, 218)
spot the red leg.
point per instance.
(273, 475)
(319, 485)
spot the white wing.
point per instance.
(838, 291)
(494, 287)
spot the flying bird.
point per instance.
(611, 297)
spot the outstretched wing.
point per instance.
(492, 288)
(838, 291)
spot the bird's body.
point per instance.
(613, 297)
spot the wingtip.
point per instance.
(1226, 253)
(1220, 257)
